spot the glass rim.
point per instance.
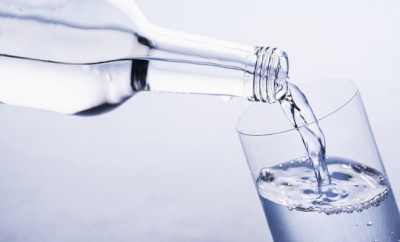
(330, 113)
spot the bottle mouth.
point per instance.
(270, 75)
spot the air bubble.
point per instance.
(291, 184)
(346, 166)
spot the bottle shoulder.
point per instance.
(71, 31)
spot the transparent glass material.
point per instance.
(268, 139)
(72, 56)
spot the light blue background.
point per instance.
(167, 167)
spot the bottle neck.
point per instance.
(266, 76)
(259, 75)
(186, 63)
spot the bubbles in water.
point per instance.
(294, 185)
(369, 223)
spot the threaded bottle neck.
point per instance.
(266, 74)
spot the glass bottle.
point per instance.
(84, 57)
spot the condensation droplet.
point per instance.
(108, 77)
(369, 223)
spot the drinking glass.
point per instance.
(269, 139)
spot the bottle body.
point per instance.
(70, 54)
(66, 89)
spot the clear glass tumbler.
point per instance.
(268, 139)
